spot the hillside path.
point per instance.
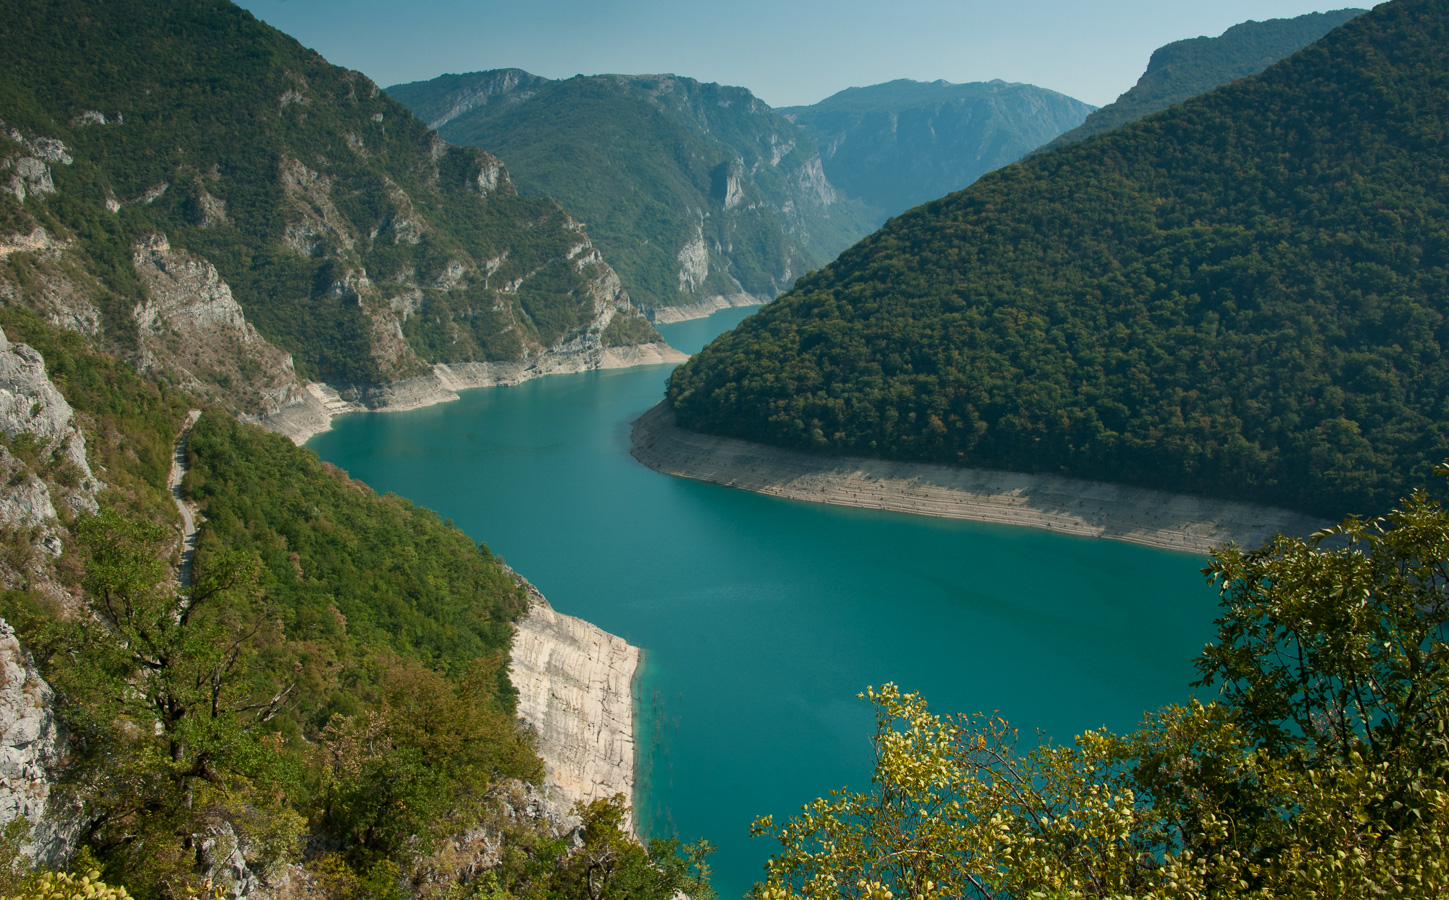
(188, 515)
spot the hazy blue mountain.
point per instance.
(692, 191)
(899, 144)
(1195, 66)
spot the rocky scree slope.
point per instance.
(699, 194)
(1240, 297)
(225, 208)
(899, 144)
(1195, 66)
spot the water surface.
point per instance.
(762, 618)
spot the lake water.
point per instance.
(763, 618)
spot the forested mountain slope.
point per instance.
(1195, 66)
(692, 190)
(899, 144)
(1240, 297)
(321, 709)
(172, 168)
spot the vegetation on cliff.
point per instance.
(1321, 771)
(691, 190)
(1195, 66)
(327, 700)
(352, 237)
(899, 144)
(1239, 297)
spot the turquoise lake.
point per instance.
(763, 618)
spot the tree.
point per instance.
(1322, 770)
(169, 699)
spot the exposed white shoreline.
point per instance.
(668, 315)
(1067, 505)
(319, 403)
(575, 686)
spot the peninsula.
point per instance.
(1067, 505)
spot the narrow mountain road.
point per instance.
(188, 515)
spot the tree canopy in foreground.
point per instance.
(1322, 769)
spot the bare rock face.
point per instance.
(59, 288)
(575, 690)
(31, 405)
(31, 745)
(193, 329)
(693, 262)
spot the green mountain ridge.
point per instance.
(1195, 66)
(352, 238)
(691, 190)
(1240, 297)
(899, 144)
(198, 213)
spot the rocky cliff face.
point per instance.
(43, 462)
(720, 196)
(295, 225)
(194, 333)
(32, 745)
(575, 690)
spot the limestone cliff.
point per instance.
(575, 690)
(43, 461)
(32, 744)
(699, 194)
(295, 225)
(194, 333)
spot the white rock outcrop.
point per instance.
(30, 404)
(31, 745)
(693, 262)
(575, 690)
(312, 410)
(192, 328)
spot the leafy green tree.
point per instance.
(611, 865)
(1322, 771)
(164, 690)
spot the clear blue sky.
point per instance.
(787, 52)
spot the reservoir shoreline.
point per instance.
(669, 315)
(319, 403)
(1050, 502)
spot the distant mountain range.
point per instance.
(696, 193)
(1195, 66)
(899, 144)
(1239, 297)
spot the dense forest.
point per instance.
(1195, 66)
(329, 692)
(336, 217)
(1240, 297)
